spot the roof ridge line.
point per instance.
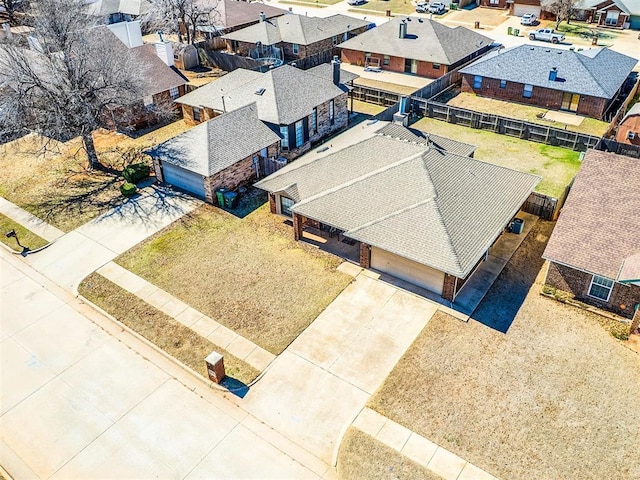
(363, 177)
(389, 215)
(593, 77)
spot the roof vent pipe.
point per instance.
(553, 74)
(403, 29)
(263, 17)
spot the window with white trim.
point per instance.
(335, 40)
(196, 114)
(285, 206)
(174, 92)
(299, 133)
(284, 133)
(148, 101)
(600, 288)
(386, 59)
(331, 112)
(296, 48)
(503, 84)
(477, 81)
(528, 91)
(436, 66)
(313, 123)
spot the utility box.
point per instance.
(215, 367)
(517, 226)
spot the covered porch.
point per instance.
(326, 237)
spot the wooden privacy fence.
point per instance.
(505, 126)
(541, 205)
(267, 166)
(375, 96)
(612, 146)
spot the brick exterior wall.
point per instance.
(631, 124)
(449, 287)
(205, 114)
(273, 208)
(298, 222)
(396, 64)
(365, 255)
(156, 168)
(577, 283)
(541, 97)
(500, 4)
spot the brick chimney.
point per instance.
(335, 63)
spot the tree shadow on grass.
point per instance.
(500, 306)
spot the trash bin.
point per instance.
(220, 195)
(476, 25)
(509, 30)
(388, 13)
(594, 40)
(517, 225)
(230, 199)
(516, 32)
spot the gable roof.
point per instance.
(289, 93)
(597, 230)
(596, 72)
(325, 70)
(159, 76)
(426, 40)
(298, 29)
(235, 13)
(419, 137)
(630, 7)
(632, 112)
(433, 207)
(213, 146)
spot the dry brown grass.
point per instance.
(389, 87)
(160, 329)
(554, 397)
(486, 16)
(26, 237)
(248, 274)
(557, 166)
(50, 179)
(367, 108)
(361, 456)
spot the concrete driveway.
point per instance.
(80, 399)
(317, 387)
(84, 250)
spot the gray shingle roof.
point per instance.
(215, 145)
(298, 29)
(633, 111)
(597, 72)
(598, 226)
(289, 93)
(427, 41)
(436, 208)
(325, 70)
(417, 136)
(235, 13)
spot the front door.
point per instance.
(410, 65)
(570, 101)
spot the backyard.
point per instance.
(246, 273)
(554, 397)
(557, 166)
(51, 180)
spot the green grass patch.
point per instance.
(26, 237)
(248, 274)
(174, 338)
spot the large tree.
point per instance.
(182, 16)
(14, 9)
(71, 81)
(562, 9)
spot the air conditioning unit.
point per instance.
(631, 135)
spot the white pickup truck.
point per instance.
(546, 35)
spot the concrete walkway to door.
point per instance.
(314, 390)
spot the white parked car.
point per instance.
(528, 19)
(437, 7)
(422, 7)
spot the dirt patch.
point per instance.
(552, 398)
(362, 456)
(246, 273)
(160, 329)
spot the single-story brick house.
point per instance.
(232, 15)
(302, 107)
(419, 212)
(294, 37)
(211, 155)
(415, 45)
(610, 13)
(629, 128)
(594, 251)
(585, 82)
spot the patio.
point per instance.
(331, 240)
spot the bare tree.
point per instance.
(13, 9)
(70, 83)
(562, 9)
(182, 16)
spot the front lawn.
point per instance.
(554, 397)
(26, 237)
(397, 7)
(248, 274)
(471, 101)
(557, 166)
(51, 180)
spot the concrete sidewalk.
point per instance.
(218, 334)
(29, 221)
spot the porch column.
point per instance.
(272, 203)
(298, 221)
(365, 255)
(635, 323)
(449, 287)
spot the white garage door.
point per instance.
(183, 179)
(520, 10)
(408, 270)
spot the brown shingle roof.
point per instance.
(599, 224)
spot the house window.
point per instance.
(477, 82)
(196, 114)
(331, 112)
(385, 60)
(148, 101)
(494, 2)
(313, 127)
(436, 66)
(503, 84)
(299, 133)
(284, 133)
(296, 48)
(612, 18)
(528, 91)
(335, 39)
(285, 206)
(600, 288)
(174, 92)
